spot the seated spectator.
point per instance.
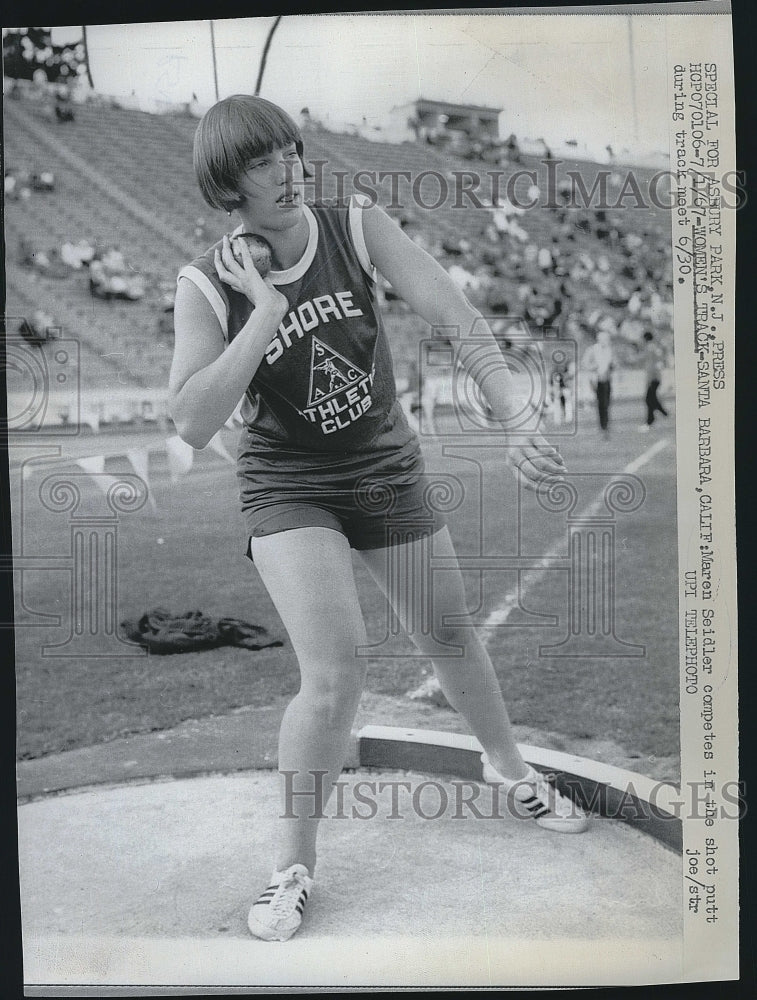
(660, 312)
(491, 234)
(135, 287)
(97, 278)
(453, 248)
(113, 260)
(483, 280)
(602, 281)
(544, 259)
(463, 278)
(44, 181)
(525, 292)
(631, 329)
(497, 298)
(602, 233)
(608, 324)
(504, 220)
(22, 187)
(46, 262)
(105, 283)
(635, 301)
(553, 312)
(63, 111)
(618, 295)
(565, 190)
(489, 256)
(536, 315)
(116, 285)
(77, 254)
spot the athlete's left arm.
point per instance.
(428, 290)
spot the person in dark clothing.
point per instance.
(653, 362)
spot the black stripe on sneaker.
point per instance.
(535, 807)
(267, 895)
(300, 908)
(262, 902)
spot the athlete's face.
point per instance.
(272, 188)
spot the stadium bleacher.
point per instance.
(124, 178)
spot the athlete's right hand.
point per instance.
(245, 278)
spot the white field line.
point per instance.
(529, 579)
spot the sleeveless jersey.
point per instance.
(323, 400)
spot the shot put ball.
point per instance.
(260, 251)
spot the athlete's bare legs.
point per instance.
(437, 621)
(308, 573)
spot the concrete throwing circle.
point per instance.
(151, 883)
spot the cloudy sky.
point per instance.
(596, 79)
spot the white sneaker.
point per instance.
(277, 913)
(643, 428)
(539, 799)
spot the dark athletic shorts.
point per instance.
(372, 514)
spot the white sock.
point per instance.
(531, 776)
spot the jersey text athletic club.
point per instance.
(325, 383)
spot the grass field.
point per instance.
(70, 702)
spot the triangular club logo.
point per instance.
(330, 373)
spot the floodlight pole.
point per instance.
(86, 55)
(264, 57)
(213, 50)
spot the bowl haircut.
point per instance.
(230, 135)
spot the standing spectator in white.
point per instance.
(599, 362)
